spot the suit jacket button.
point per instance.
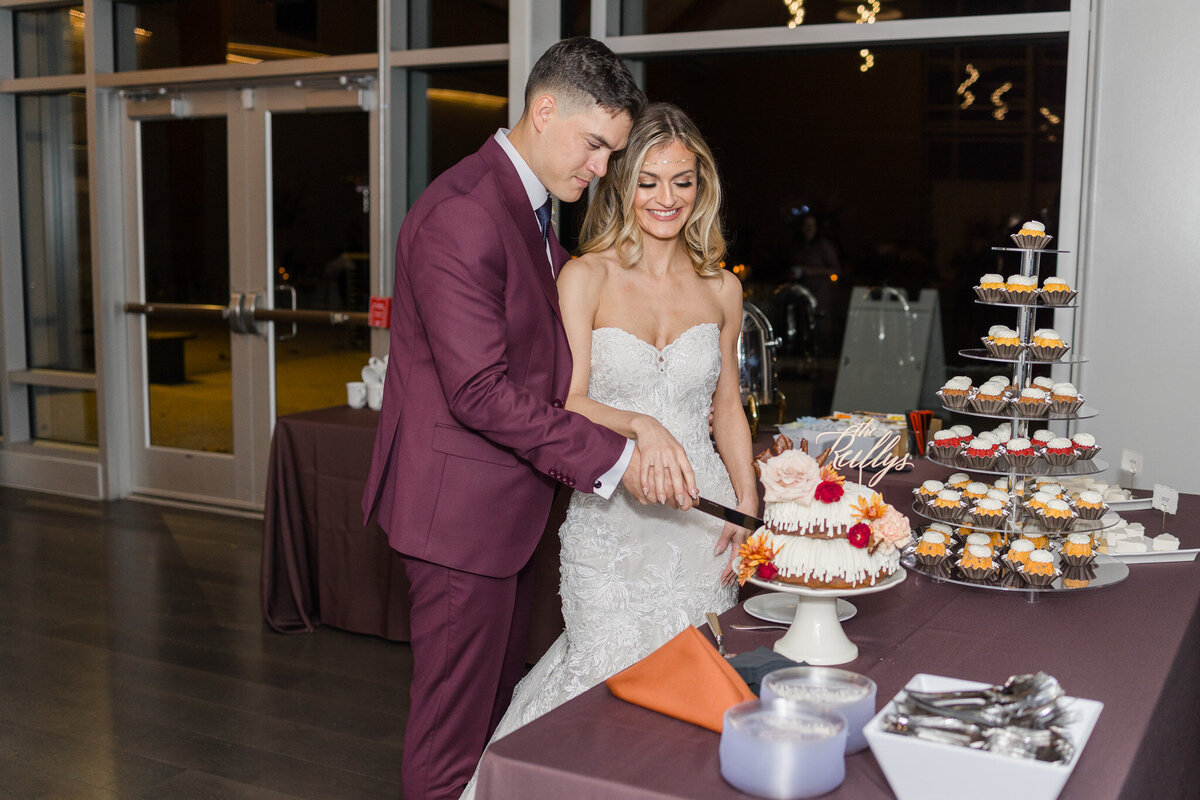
(557, 404)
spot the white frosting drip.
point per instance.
(1019, 444)
(1063, 385)
(1057, 505)
(1044, 383)
(827, 560)
(817, 517)
(941, 527)
(1044, 435)
(978, 550)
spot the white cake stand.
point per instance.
(816, 636)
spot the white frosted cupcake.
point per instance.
(1021, 289)
(990, 288)
(1057, 292)
(1085, 445)
(958, 481)
(1019, 453)
(1060, 452)
(1032, 236)
(1033, 402)
(1048, 345)
(925, 493)
(947, 506)
(1038, 569)
(1090, 505)
(944, 445)
(988, 513)
(954, 392)
(962, 431)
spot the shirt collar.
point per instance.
(533, 187)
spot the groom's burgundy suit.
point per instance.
(472, 438)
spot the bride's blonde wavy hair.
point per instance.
(610, 221)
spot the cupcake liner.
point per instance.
(976, 573)
(1077, 561)
(1039, 581)
(1021, 298)
(1065, 407)
(1002, 350)
(977, 462)
(1028, 242)
(1056, 524)
(1031, 409)
(990, 295)
(1061, 459)
(1085, 572)
(944, 514)
(953, 401)
(982, 521)
(1087, 453)
(1018, 462)
(1091, 513)
(931, 561)
(1047, 353)
(1011, 579)
(989, 406)
(942, 452)
(1057, 297)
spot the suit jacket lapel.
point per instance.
(516, 205)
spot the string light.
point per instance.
(968, 97)
(868, 11)
(796, 9)
(1052, 118)
(1001, 107)
(868, 60)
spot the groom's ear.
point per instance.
(542, 111)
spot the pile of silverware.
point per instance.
(1026, 717)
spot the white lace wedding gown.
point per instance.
(634, 576)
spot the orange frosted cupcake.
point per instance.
(1090, 505)
(1018, 552)
(1039, 569)
(958, 481)
(948, 505)
(976, 562)
(1040, 541)
(932, 548)
(988, 513)
(1077, 549)
(989, 398)
(1065, 399)
(975, 491)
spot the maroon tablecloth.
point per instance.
(1134, 646)
(322, 566)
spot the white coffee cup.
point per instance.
(356, 394)
(375, 395)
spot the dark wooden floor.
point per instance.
(134, 663)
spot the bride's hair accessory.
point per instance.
(655, 163)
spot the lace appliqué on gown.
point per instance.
(634, 576)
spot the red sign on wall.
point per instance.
(380, 312)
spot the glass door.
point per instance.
(250, 221)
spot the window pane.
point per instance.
(451, 114)
(447, 23)
(49, 41)
(673, 16)
(576, 18)
(55, 231)
(185, 33)
(321, 227)
(63, 415)
(888, 176)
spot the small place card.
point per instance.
(379, 313)
(1166, 499)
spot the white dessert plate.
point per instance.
(1136, 504)
(1156, 556)
(781, 607)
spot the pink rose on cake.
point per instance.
(790, 476)
(891, 530)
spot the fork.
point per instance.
(715, 626)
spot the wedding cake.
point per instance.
(820, 530)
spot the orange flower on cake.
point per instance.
(756, 555)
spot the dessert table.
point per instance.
(322, 566)
(1134, 646)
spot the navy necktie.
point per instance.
(543, 218)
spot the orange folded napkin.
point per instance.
(686, 679)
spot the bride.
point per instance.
(653, 322)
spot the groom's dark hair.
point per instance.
(581, 71)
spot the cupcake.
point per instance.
(932, 548)
(975, 490)
(976, 562)
(1090, 505)
(1055, 490)
(1048, 345)
(1021, 289)
(991, 288)
(1077, 549)
(1003, 432)
(1060, 452)
(963, 432)
(1057, 515)
(1038, 569)
(979, 454)
(980, 539)
(1036, 504)
(1057, 292)
(1043, 383)
(1003, 380)
(942, 528)
(999, 494)
(1085, 445)
(1040, 437)
(925, 493)
(1004, 343)
(1018, 552)
(1032, 236)
(955, 392)
(988, 513)
(1019, 453)
(944, 445)
(1033, 402)
(1065, 399)
(1077, 577)
(989, 399)
(948, 506)
(958, 481)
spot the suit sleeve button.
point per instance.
(596, 485)
(557, 404)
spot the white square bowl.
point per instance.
(921, 770)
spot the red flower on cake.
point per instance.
(754, 553)
(829, 492)
(860, 535)
(767, 572)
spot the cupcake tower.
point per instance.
(1003, 529)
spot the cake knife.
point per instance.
(728, 514)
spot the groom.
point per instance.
(473, 434)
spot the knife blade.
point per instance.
(728, 514)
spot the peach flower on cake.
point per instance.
(790, 476)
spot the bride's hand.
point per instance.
(666, 472)
(733, 537)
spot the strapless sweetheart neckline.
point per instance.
(666, 347)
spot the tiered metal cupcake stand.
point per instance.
(1104, 570)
